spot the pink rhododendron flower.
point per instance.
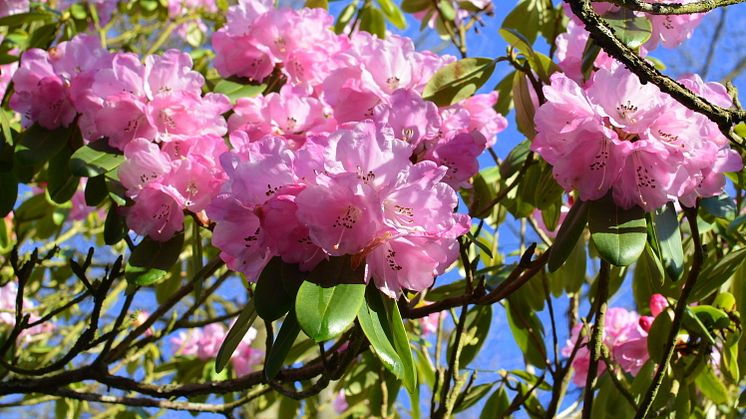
(339, 404)
(620, 135)
(204, 344)
(429, 323)
(8, 295)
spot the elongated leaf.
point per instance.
(392, 13)
(476, 328)
(658, 336)
(730, 356)
(459, 80)
(8, 192)
(328, 301)
(39, 144)
(711, 386)
(540, 63)
(23, 18)
(114, 226)
(372, 21)
(374, 320)
(524, 107)
(414, 6)
(568, 235)
(496, 404)
(618, 234)
(235, 90)
(669, 240)
(151, 260)
(631, 29)
(271, 299)
(716, 272)
(95, 158)
(281, 346)
(95, 190)
(61, 183)
(235, 335)
(401, 344)
(474, 395)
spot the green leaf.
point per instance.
(711, 386)
(235, 90)
(19, 19)
(721, 206)
(317, 4)
(476, 328)
(526, 18)
(114, 226)
(528, 333)
(328, 301)
(95, 158)
(568, 235)
(381, 322)
(9, 188)
(151, 260)
(716, 271)
(372, 21)
(95, 190)
(694, 325)
(618, 234)
(345, 16)
(474, 395)
(496, 405)
(414, 6)
(505, 94)
(61, 184)
(540, 63)
(669, 241)
(281, 346)
(235, 335)
(458, 81)
(524, 107)
(271, 299)
(658, 335)
(38, 144)
(711, 317)
(392, 13)
(629, 28)
(730, 356)
(514, 160)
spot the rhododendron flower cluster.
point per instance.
(345, 158)
(355, 192)
(615, 133)
(625, 335)
(204, 344)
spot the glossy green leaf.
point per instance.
(539, 63)
(114, 226)
(524, 106)
(458, 80)
(271, 299)
(328, 301)
(505, 94)
(669, 240)
(235, 335)
(694, 324)
(473, 396)
(401, 345)
(8, 191)
(414, 6)
(711, 386)
(38, 145)
(716, 271)
(372, 21)
(235, 90)
(392, 13)
(496, 404)
(569, 233)
(658, 336)
(476, 328)
(23, 18)
(281, 346)
(730, 356)
(375, 320)
(151, 260)
(95, 191)
(711, 317)
(629, 28)
(317, 4)
(721, 206)
(515, 159)
(61, 183)
(526, 18)
(95, 158)
(528, 334)
(344, 18)
(618, 234)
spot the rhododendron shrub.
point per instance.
(372, 208)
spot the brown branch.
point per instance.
(604, 36)
(703, 6)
